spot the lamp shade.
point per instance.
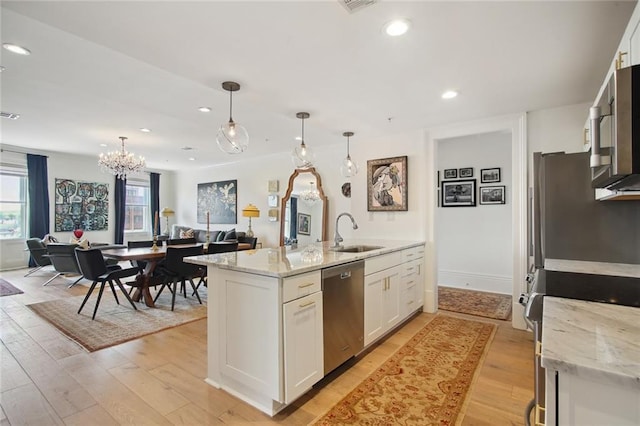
(167, 212)
(250, 211)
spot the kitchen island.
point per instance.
(265, 312)
(591, 353)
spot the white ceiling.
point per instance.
(102, 69)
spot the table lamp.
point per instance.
(250, 211)
(167, 213)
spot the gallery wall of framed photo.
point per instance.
(458, 188)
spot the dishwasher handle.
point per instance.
(345, 275)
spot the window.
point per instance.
(13, 205)
(137, 215)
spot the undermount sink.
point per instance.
(355, 249)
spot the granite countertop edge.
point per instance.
(572, 334)
(330, 258)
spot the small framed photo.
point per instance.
(272, 200)
(459, 193)
(466, 172)
(304, 224)
(492, 194)
(451, 173)
(490, 175)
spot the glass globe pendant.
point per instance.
(232, 138)
(349, 167)
(302, 156)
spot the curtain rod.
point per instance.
(19, 152)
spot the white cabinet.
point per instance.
(393, 290)
(381, 303)
(303, 345)
(583, 401)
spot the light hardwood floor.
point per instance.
(45, 379)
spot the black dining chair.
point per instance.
(141, 264)
(222, 247)
(93, 268)
(38, 251)
(178, 241)
(175, 270)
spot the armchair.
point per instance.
(38, 252)
(63, 259)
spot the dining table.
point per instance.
(151, 256)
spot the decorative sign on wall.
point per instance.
(219, 199)
(81, 205)
(387, 184)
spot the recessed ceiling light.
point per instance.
(103, 145)
(449, 94)
(145, 130)
(186, 148)
(204, 109)
(397, 27)
(16, 49)
(192, 159)
(2, 68)
(298, 138)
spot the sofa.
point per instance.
(182, 231)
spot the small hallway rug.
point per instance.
(424, 383)
(479, 303)
(115, 323)
(8, 289)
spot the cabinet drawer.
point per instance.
(412, 267)
(412, 253)
(380, 263)
(300, 285)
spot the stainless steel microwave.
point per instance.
(615, 133)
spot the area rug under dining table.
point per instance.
(115, 323)
(424, 383)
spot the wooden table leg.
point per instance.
(142, 287)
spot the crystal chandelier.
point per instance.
(311, 195)
(121, 163)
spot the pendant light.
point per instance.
(348, 167)
(302, 155)
(232, 138)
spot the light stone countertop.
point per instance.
(597, 341)
(597, 268)
(283, 261)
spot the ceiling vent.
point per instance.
(9, 115)
(356, 5)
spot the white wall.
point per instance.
(474, 243)
(253, 176)
(85, 168)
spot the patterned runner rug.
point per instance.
(115, 323)
(480, 303)
(8, 289)
(424, 383)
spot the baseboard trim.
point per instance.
(476, 281)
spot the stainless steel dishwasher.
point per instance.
(343, 313)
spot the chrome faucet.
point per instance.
(337, 238)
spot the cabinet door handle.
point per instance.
(620, 59)
(305, 285)
(538, 350)
(309, 303)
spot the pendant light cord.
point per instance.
(302, 142)
(230, 105)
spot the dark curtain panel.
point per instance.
(154, 184)
(294, 218)
(120, 198)
(38, 197)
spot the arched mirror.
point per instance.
(304, 209)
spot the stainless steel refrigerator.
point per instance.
(569, 223)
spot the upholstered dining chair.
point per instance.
(38, 251)
(177, 270)
(63, 259)
(177, 241)
(93, 268)
(139, 244)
